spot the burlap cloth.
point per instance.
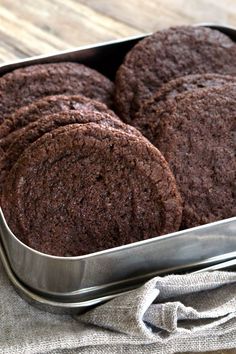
(178, 313)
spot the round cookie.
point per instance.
(187, 83)
(196, 134)
(25, 85)
(33, 131)
(45, 106)
(166, 55)
(85, 188)
(147, 119)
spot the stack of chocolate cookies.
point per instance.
(74, 178)
(178, 87)
(77, 178)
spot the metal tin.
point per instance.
(105, 272)
(71, 306)
(111, 271)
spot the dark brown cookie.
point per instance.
(45, 106)
(25, 85)
(196, 134)
(147, 119)
(33, 131)
(166, 55)
(188, 83)
(85, 188)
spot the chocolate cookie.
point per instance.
(187, 83)
(85, 188)
(147, 119)
(33, 131)
(166, 55)
(45, 106)
(22, 86)
(196, 134)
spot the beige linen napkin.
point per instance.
(177, 313)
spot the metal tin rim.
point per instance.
(114, 249)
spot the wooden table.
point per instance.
(42, 26)
(36, 27)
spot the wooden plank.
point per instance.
(42, 26)
(60, 25)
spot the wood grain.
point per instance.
(38, 27)
(32, 27)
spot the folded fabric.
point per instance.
(177, 313)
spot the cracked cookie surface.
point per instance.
(196, 134)
(45, 106)
(30, 133)
(84, 188)
(166, 55)
(22, 86)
